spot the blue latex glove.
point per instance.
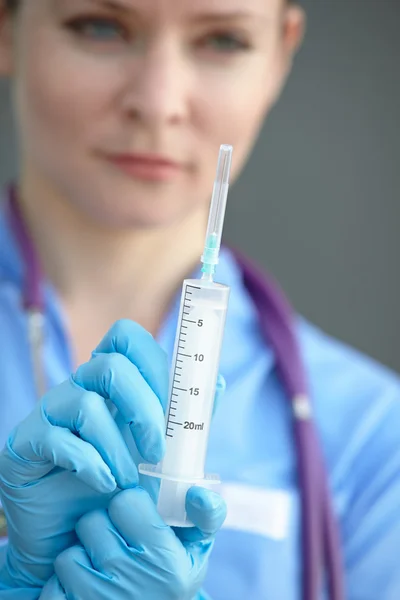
(128, 552)
(16, 594)
(67, 457)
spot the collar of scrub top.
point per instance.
(321, 551)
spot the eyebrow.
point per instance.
(205, 18)
(112, 5)
(210, 16)
(196, 18)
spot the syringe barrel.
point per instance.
(194, 372)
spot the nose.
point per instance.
(157, 88)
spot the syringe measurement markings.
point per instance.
(188, 321)
(194, 287)
(174, 388)
(186, 306)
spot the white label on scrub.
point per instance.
(256, 510)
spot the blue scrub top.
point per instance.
(357, 411)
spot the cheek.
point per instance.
(59, 95)
(235, 103)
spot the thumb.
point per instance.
(53, 590)
(207, 511)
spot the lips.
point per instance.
(149, 167)
(150, 159)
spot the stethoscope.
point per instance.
(321, 548)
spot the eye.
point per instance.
(225, 42)
(100, 29)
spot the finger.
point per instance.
(147, 539)
(77, 576)
(53, 590)
(134, 537)
(138, 345)
(56, 447)
(135, 517)
(46, 434)
(64, 449)
(20, 594)
(86, 414)
(101, 540)
(207, 511)
(114, 377)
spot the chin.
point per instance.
(121, 210)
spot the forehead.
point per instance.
(179, 8)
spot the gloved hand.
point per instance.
(128, 552)
(68, 456)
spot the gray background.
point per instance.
(319, 202)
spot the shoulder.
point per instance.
(357, 412)
(356, 401)
(327, 357)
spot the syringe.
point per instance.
(194, 370)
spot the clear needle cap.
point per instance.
(217, 210)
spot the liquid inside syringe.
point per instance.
(194, 378)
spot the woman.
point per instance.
(120, 108)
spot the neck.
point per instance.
(132, 273)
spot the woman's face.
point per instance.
(98, 81)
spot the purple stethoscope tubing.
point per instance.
(320, 539)
(321, 549)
